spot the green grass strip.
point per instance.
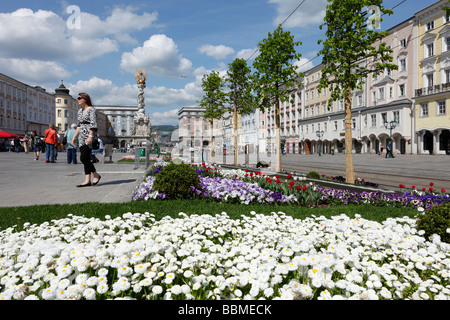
(17, 216)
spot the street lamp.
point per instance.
(390, 126)
(319, 134)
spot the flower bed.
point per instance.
(244, 187)
(214, 257)
(206, 257)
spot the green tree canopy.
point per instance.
(351, 52)
(275, 75)
(213, 101)
(240, 96)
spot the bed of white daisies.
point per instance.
(215, 257)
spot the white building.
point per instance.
(24, 108)
(121, 121)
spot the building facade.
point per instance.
(119, 123)
(24, 108)
(416, 97)
(432, 96)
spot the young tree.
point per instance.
(351, 52)
(213, 100)
(275, 75)
(240, 95)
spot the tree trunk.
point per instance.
(350, 175)
(235, 135)
(211, 143)
(277, 123)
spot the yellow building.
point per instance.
(432, 96)
(66, 109)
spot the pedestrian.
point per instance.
(71, 148)
(381, 149)
(25, 143)
(332, 150)
(389, 150)
(50, 140)
(37, 144)
(86, 133)
(17, 144)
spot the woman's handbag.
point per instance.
(95, 144)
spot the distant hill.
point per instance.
(164, 128)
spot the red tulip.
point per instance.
(443, 190)
(431, 184)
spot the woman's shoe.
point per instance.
(98, 180)
(84, 185)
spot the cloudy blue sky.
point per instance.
(98, 49)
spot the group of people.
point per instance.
(80, 136)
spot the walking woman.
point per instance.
(86, 133)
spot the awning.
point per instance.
(4, 134)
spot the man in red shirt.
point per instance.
(50, 140)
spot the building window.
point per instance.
(424, 110)
(403, 43)
(374, 120)
(441, 108)
(335, 126)
(401, 88)
(403, 65)
(430, 50)
(430, 26)
(381, 93)
(383, 118)
(397, 117)
(430, 80)
(59, 113)
(447, 76)
(447, 43)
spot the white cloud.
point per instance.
(105, 92)
(303, 64)
(32, 35)
(34, 45)
(309, 13)
(33, 72)
(248, 54)
(164, 118)
(217, 52)
(159, 56)
(118, 25)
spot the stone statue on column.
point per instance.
(142, 126)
